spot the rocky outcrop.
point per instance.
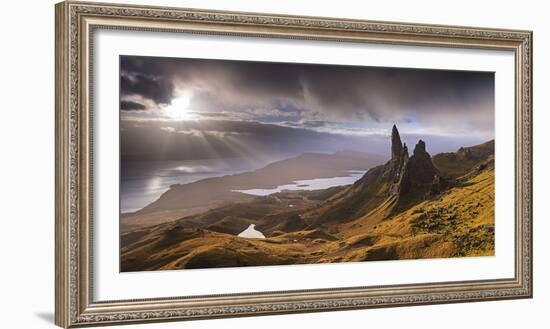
(387, 189)
(396, 147)
(419, 170)
(414, 178)
(461, 162)
(395, 167)
(477, 152)
(419, 177)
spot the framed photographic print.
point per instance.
(219, 164)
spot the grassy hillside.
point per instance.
(458, 222)
(456, 164)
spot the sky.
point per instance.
(188, 109)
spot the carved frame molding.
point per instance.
(75, 25)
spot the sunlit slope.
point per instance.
(458, 223)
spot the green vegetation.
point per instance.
(436, 220)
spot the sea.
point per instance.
(143, 182)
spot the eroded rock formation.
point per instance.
(413, 178)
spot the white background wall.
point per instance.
(27, 162)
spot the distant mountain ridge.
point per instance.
(456, 164)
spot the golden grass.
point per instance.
(458, 223)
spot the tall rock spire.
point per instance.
(420, 149)
(410, 179)
(421, 168)
(396, 146)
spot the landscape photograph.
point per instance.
(227, 163)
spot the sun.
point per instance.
(179, 108)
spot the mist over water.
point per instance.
(143, 182)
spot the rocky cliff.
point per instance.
(386, 189)
(414, 178)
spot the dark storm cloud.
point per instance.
(146, 79)
(219, 82)
(131, 106)
(317, 92)
(388, 95)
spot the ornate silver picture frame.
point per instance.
(76, 23)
